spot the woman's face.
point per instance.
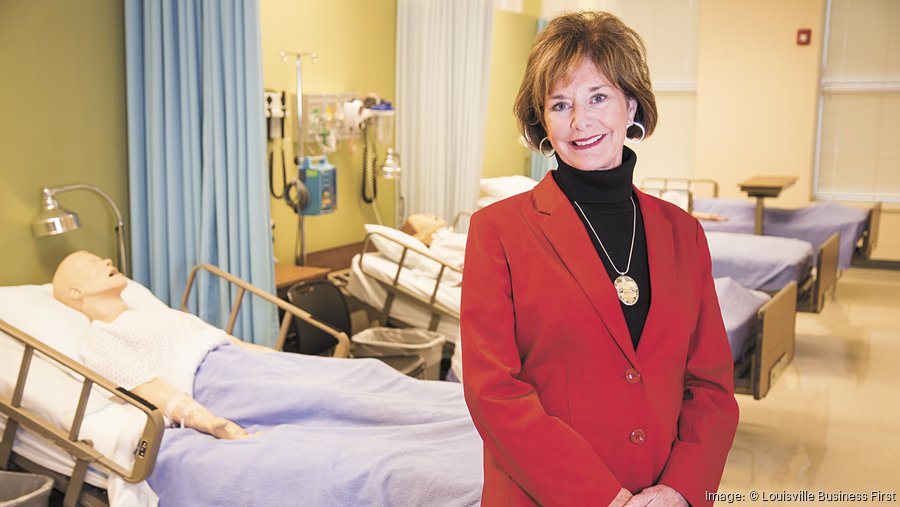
(586, 119)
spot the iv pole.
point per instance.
(297, 144)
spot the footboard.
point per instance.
(82, 451)
(826, 275)
(774, 349)
(343, 341)
(870, 233)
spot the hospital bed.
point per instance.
(760, 326)
(100, 443)
(815, 223)
(768, 263)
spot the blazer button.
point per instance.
(632, 376)
(638, 436)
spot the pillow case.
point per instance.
(502, 187)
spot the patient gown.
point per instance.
(333, 432)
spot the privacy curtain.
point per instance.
(443, 61)
(197, 154)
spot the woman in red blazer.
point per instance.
(596, 365)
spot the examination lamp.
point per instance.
(53, 219)
(391, 169)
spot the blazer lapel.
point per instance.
(661, 257)
(567, 234)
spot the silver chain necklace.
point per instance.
(626, 287)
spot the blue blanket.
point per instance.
(334, 432)
(813, 223)
(766, 263)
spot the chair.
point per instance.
(325, 301)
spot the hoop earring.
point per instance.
(541, 148)
(643, 132)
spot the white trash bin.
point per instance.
(24, 490)
(389, 341)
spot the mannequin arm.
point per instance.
(184, 410)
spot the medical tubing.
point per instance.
(271, 174)
(181, 403)
(365, 168)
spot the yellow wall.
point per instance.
(356, 48)
(62, 120)
(757, 93)
(511, 41)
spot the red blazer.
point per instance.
(568, 411)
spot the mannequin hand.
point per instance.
(620, 499)
(227, 430)
(659, 495)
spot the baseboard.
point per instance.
(875, 264)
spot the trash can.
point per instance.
(24, 490)
(388, 341)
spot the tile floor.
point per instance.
(831, 424)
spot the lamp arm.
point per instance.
(120, 223)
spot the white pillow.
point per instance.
(449, 246)
(33, 309)
(415, 261)
(502, 187)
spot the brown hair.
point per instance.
(615, 49)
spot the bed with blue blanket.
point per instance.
(858, 227)
(330, 431)
(813, 223)
(768, 263)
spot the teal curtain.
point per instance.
(197, 154)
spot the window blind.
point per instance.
(858, 142)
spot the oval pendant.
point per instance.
(627, 289)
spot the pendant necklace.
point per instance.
(626, 287)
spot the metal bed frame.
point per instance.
(77, 492)
(769, 351)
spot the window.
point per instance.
(858, 139)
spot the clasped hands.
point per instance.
(659, 495)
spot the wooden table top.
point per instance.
(287, 275)
(766, 186)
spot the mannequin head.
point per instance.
(84, 282)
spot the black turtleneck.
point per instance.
(606, 197)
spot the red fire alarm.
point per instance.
(803, 36)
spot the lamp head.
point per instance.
(53, 219)
(391, 169)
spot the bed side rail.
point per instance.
(826, 274)
(81, 450)
(690, 184)
(775, 349)
(436, 308)
(343, 341)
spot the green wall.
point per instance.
(63, 114)
(355, 41)
(512, 37)
(62, 120)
